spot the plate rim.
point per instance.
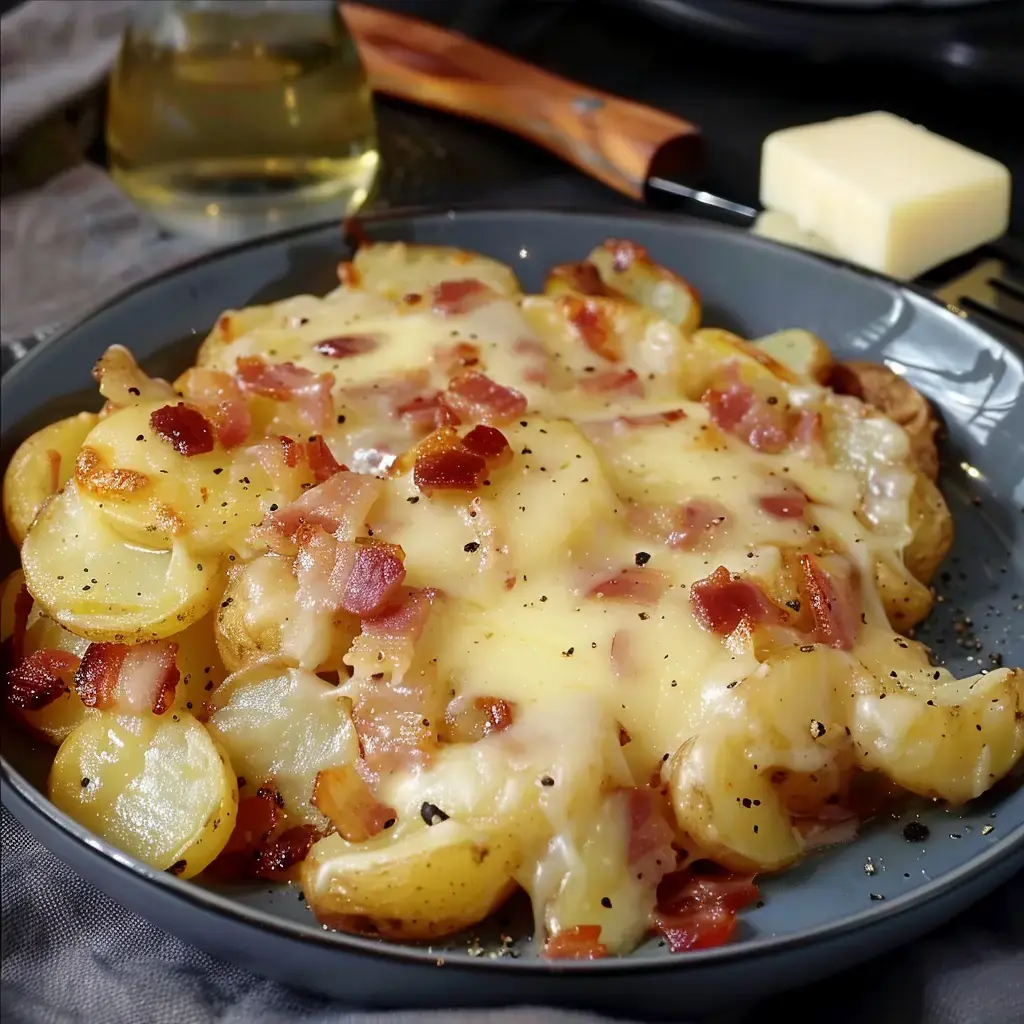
(997, 852)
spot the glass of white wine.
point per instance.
(229, 119)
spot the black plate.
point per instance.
(817, 918)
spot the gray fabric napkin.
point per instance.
(70, 954)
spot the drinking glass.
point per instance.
(234, 118)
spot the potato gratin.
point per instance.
(428, 590)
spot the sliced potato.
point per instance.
(158, 788)
(890, 394)
(423, 885)
(629, 270)
(804, 354)
(97, 585)
(397, 269)
(932, 524)
(906, 600)
(285, 725)
(39, 468)
(200, 667)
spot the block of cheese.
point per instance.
(780, 227)
(883, 192)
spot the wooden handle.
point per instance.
(616, 141)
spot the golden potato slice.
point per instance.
(801, 352)
(626, 268)
(890, 394)
(933, 530)
(582, 278)
(157, 787)
(39, 468)
(905, 599)
(286, 725)
(200, 667)
(94, 583)
(423, 885)
(397, 269)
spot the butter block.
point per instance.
(885, 193)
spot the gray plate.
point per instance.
(818, 918)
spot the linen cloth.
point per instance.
(71, 954)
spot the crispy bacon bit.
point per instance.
(698, 911)
(255, 820)
(593, 326)
(625, 253)
(644, 586)
(346, 345)
(426, 413)
(134, 679)
(834, 604)
(373, 573)
(744, 414)
(723, 603)
(40, 679)
(343, 796)
(450, 298)
(650, 854)
(469, 721)
(339, 505)
(291, 450)
(478, 399)
(217, 396)
(490, 444)
(310, 392)
(23, 602)
(790, 505)
(386, 641)
(185, 429)
(451, 469)
(581, 942)
(288, 849)
(321, 460)
(623, 382)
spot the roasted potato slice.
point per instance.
(932, 527)
(397, 269)
(285, 725)
(39, 468)
(94, 583)
(802, 353)
(890, 394)
(906, 600)
(157, 787)
(422, 885)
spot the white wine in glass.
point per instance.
(229, 119)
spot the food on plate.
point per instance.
(428, 591)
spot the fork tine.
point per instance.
(987, 291)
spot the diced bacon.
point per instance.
(397, 723)
(451, 469)
(339, 506)
(386, 642)
(426, 413)
(612, 382)
(739, 411)
(723, 603)
(699, 911)
(23, 603)
(834, 603)
(581, 942)
(490, 444)
(469, 721)
(367, 576)
(286, 382)
(123, 383)
(256, 819)
(593, 326)
(321, 459)
(346, 345)
(537, 359)
(291, 451)
(788, 505)
(650, 853)
(275, 860)
(621, 654)
(38, 680)
(450, 298)
(643, 586)
(133, 679)
(342, 795)
(687, 527)
(217, 396)
(184, 428)
(478, 399)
